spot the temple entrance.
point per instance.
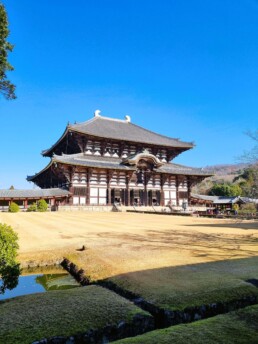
(153, 197)
(118, 196)
(136, 197)
(158, 197)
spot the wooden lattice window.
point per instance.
(183, 194)
(80, 191)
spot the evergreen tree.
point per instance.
(7, 89)
(230, 190)
(9, 268)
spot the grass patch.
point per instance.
(28, 318)
(240, 327)
(176, 288)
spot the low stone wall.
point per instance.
(36, 264)
(158, 213)
(90, 208)
(165, 318)
(140, 324)
(78, 274)
(159, 317)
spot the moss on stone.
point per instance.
(29, 318)
(240, 327)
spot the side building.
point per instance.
(104, 160)
(25, 198)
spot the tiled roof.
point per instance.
(91, 161)
(218, 199)
(116, 163)
(123, 130)
(204, 197)
(181, 169)
(249, 200)
(37, 193)
(111, 128)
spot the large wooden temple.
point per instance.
(104, 160)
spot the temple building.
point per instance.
(104, 160)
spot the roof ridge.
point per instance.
(100, 118)
(81, 123)
(113, 119)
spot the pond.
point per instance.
(38, 282)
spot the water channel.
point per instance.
(41, 280)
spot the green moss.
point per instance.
(193, 285)
(28, 318)
(240, 327)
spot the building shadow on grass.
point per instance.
(191, 284)
(239, 224)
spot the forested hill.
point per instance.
(226, 169)
(224, 173)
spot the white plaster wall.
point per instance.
(93, 192)
(75, 200)
(82, 200)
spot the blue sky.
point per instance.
(186, 69)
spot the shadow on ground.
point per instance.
(193, 284)
(240, 224)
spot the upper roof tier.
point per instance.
(118, 130)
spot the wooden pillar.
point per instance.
(162, 196)
(188, 190)
(127, 191)
(71, 189)
(177, 192)
(145, 196)
(147, 177)
(109, 177)
(88, 176)
(25, 203)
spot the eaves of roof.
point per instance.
(99, 162)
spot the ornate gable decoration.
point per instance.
(143, 157)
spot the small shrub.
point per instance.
(248, 208)
(32, 207)
(13, 207)
(42, 205)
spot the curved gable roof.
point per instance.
(123, 130)
(109, 128)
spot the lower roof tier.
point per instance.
(61, 163)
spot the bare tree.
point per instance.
(250, 174)
(252, 155)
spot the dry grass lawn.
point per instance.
(119, 243)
